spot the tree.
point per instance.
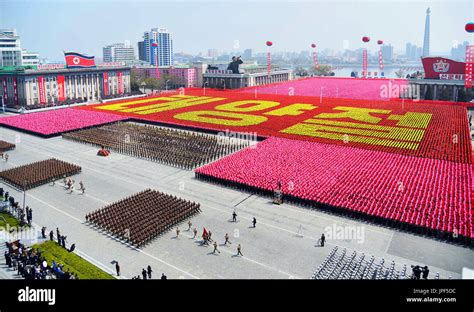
(399, 73)
(135, 82)
(152, 83)
(300, 71)
(321, 70)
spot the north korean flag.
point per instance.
(77, 60)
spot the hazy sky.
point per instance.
(49, 27)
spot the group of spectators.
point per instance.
(24, 216)
(30, 264)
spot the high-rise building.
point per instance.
(458, 52)
(413, 52)
(387, 52)
(248, 53)
(426, 39)
(164, 51)
(29, 58)
(212, 53)
(141, 51)
(118, 52)
(10, 48)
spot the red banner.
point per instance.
(436, 66)
(15, 91)
(468, 67)
(120, 83)
(41, 90)
(315, 59)
(5, 95)
(364, 63)
(269, 63)
(106, 84)
(380, 59)
(61, 91)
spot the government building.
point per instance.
(24, 87)
(249, 76)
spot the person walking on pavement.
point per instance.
(189, 225)
(117, 268)
(149, 271)
(254, 222)
(51, 235)
(195, 231)
(226, 237)
(144, 274)
(43, 232)
(239, 250)
(209, 236)
(323, 240)
(163, 276)
(234, 216)
(177, 232)
(215, 248)
(81, 187)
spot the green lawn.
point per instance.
(51, 251)
(12, 221)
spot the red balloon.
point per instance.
(366, 39)
(313, 45)
(469, 27)
(269, 43)
(379, 41)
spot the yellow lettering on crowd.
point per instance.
(215, 117)
(341, 134)
(237, 106)
(291, 110)
(359, 114)
(124, 105)
(412, 119)
(387, 132)
(169, 103)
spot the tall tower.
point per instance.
(426, 40)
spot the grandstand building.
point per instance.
(25, 87)
(248, 77)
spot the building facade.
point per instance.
(250, 77)
(164, 52)
(142, 51)
(118, 52)
(387, 52)
(23, 88)
(10, 48)
(30, 59)
(180, 76)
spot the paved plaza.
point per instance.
(282, 246)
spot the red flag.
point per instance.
(77, 60)
(204, 232)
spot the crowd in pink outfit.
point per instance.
(59, 120)
(429, 194)
(336, 87)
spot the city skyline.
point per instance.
(204, 20)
